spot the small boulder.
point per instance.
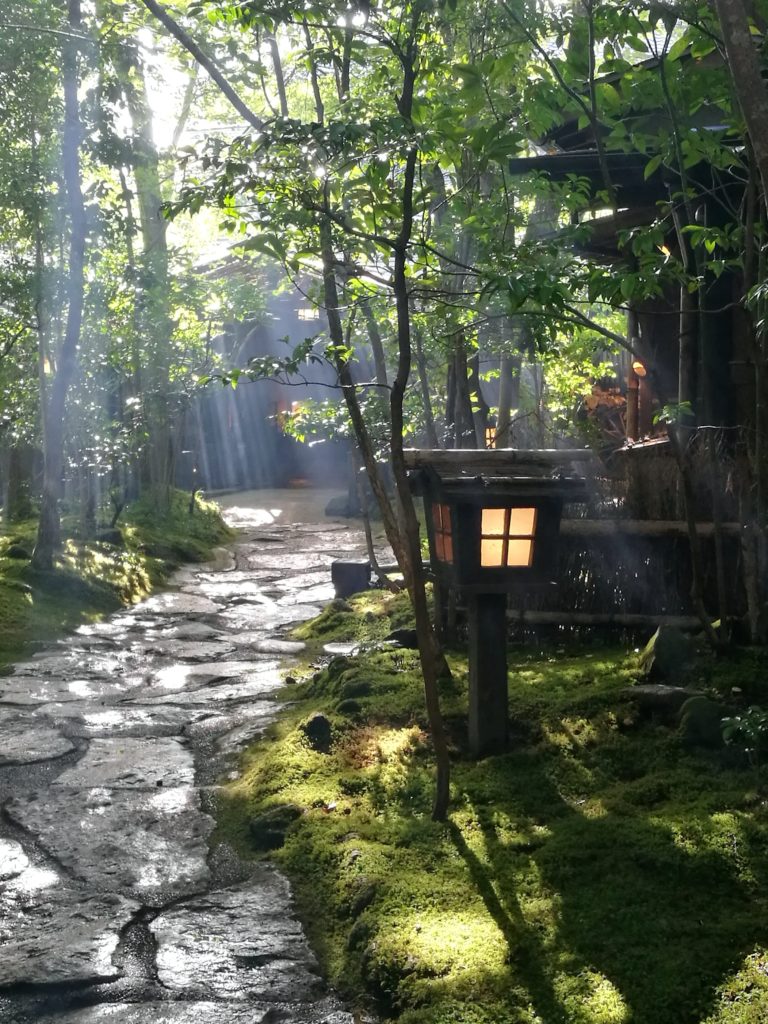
(17, 551)
(407, 638)
(701, 722)
(269, 828)
(658, 698)
(668, 655)
(111, 536)
(319, 733)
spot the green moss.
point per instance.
(599, 873)
(92, 579)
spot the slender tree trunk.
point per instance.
(746, 73)
(426, 401)
(49, 529)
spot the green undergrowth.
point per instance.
(95, 577)
(600, 873)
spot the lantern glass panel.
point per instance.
(441, 523)
(507, 537)
(520, 552)
(522, 522)
(494, 522)
(491, 552)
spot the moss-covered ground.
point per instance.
(602, 872)
(92, 578)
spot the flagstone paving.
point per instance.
(114, 909)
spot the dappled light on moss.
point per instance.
(600, 872)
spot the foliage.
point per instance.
(748, 732)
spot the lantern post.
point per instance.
(491, 533)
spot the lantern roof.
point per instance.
(481, 475)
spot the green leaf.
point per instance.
(652, 166)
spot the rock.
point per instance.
(363, 897)
(52, 932)
(701, 722)
(658, 698)
(13, 860)
(340, 505)
(403, 638)
(350, 578)
(240, 943)
(668, 655)
(17, 551)
(23, 743)
(111, 536)
(350, 706)
(269, 828)
(319, 733)
(204, 1012)
(150, 845)
(131, 763)
(177, 604)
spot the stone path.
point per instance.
(113, 906)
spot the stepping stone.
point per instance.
(52, 932)
(192, 677)
(24, 741)
(201, 1013)
(252, 686)
(271, 645)
(251, 617)
(95, 720)
(26, 690)
(177, 604)
(191, 631)
(323, 592)
(191, 650)
(13, 860)
(131, 763)
(242, 943)
(223, 590)
(152, 846)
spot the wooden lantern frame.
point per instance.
(457, 529)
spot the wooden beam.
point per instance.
(625, 620)
(492, 460)
(639, 528)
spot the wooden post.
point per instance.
(488, 701)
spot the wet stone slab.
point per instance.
(13, 860)
(152, 846)
(177, 604)
(28, 691)
(256, 642)
(53, 932)
(240, 943)
(194, 676)
(24, 741)
(267, 617)
(96, 720)
(191, 650)
(252, 687)
(223, 590)
(131, 763)
(204, 1013)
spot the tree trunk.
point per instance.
(746, 73)
(49, 528)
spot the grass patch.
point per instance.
(93, 578)
(600, 873)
